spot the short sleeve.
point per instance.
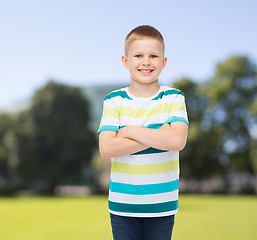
(178, 112)
(110, 118)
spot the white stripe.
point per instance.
(120, 101)
(163, 214)
(143, 199)
(172, 99)
(150, 159)
(177, 98)
(157, 118)
(179, 113)
(145, 179)
(109, 121)
(110, 103)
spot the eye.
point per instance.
(154, 56)
(138, 56)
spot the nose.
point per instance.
(146, 61)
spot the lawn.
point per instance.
(50, 218)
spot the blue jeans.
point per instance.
(134, 228)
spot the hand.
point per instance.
(122, 132)
(125, 131)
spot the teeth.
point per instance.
(142, 70)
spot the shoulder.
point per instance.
(172, 91)
(168, 92)
(116, 94)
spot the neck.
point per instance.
(144, 90)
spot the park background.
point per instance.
(58, 61)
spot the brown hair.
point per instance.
(141, 32)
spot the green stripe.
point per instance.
(168, 92)
(143, 208)
(122, 94)
(145, 168)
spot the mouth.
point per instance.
(145, 70)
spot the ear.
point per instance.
(124, 61)
(164, 62)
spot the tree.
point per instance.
(198, 158)
(8, 157)
(55, 142)
(222, 114)
(232, 94)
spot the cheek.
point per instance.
(132, 64)
(161, 65)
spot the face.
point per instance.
(145, 60)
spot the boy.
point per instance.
(143, 128)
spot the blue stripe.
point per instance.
(152, 125)
(149, 151)
(108, 128)
(144, 189)
(177, 119)
(143, 208)
(166, 93)
(122, 94)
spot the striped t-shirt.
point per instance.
(146, 183)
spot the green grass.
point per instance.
(216, 217)
(199, 217)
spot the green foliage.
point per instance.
(8, 147)
(55, 141)
(253, 107)
(198, 159)
(232, 93)
(4, 127)
(253, 155)
(221, 112)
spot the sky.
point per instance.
(80, 43)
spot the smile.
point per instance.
(145, 70)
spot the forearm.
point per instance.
(114, 146)
(173, 138)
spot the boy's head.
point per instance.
(143, 32)
(144, 55)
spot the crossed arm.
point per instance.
(132, 139)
